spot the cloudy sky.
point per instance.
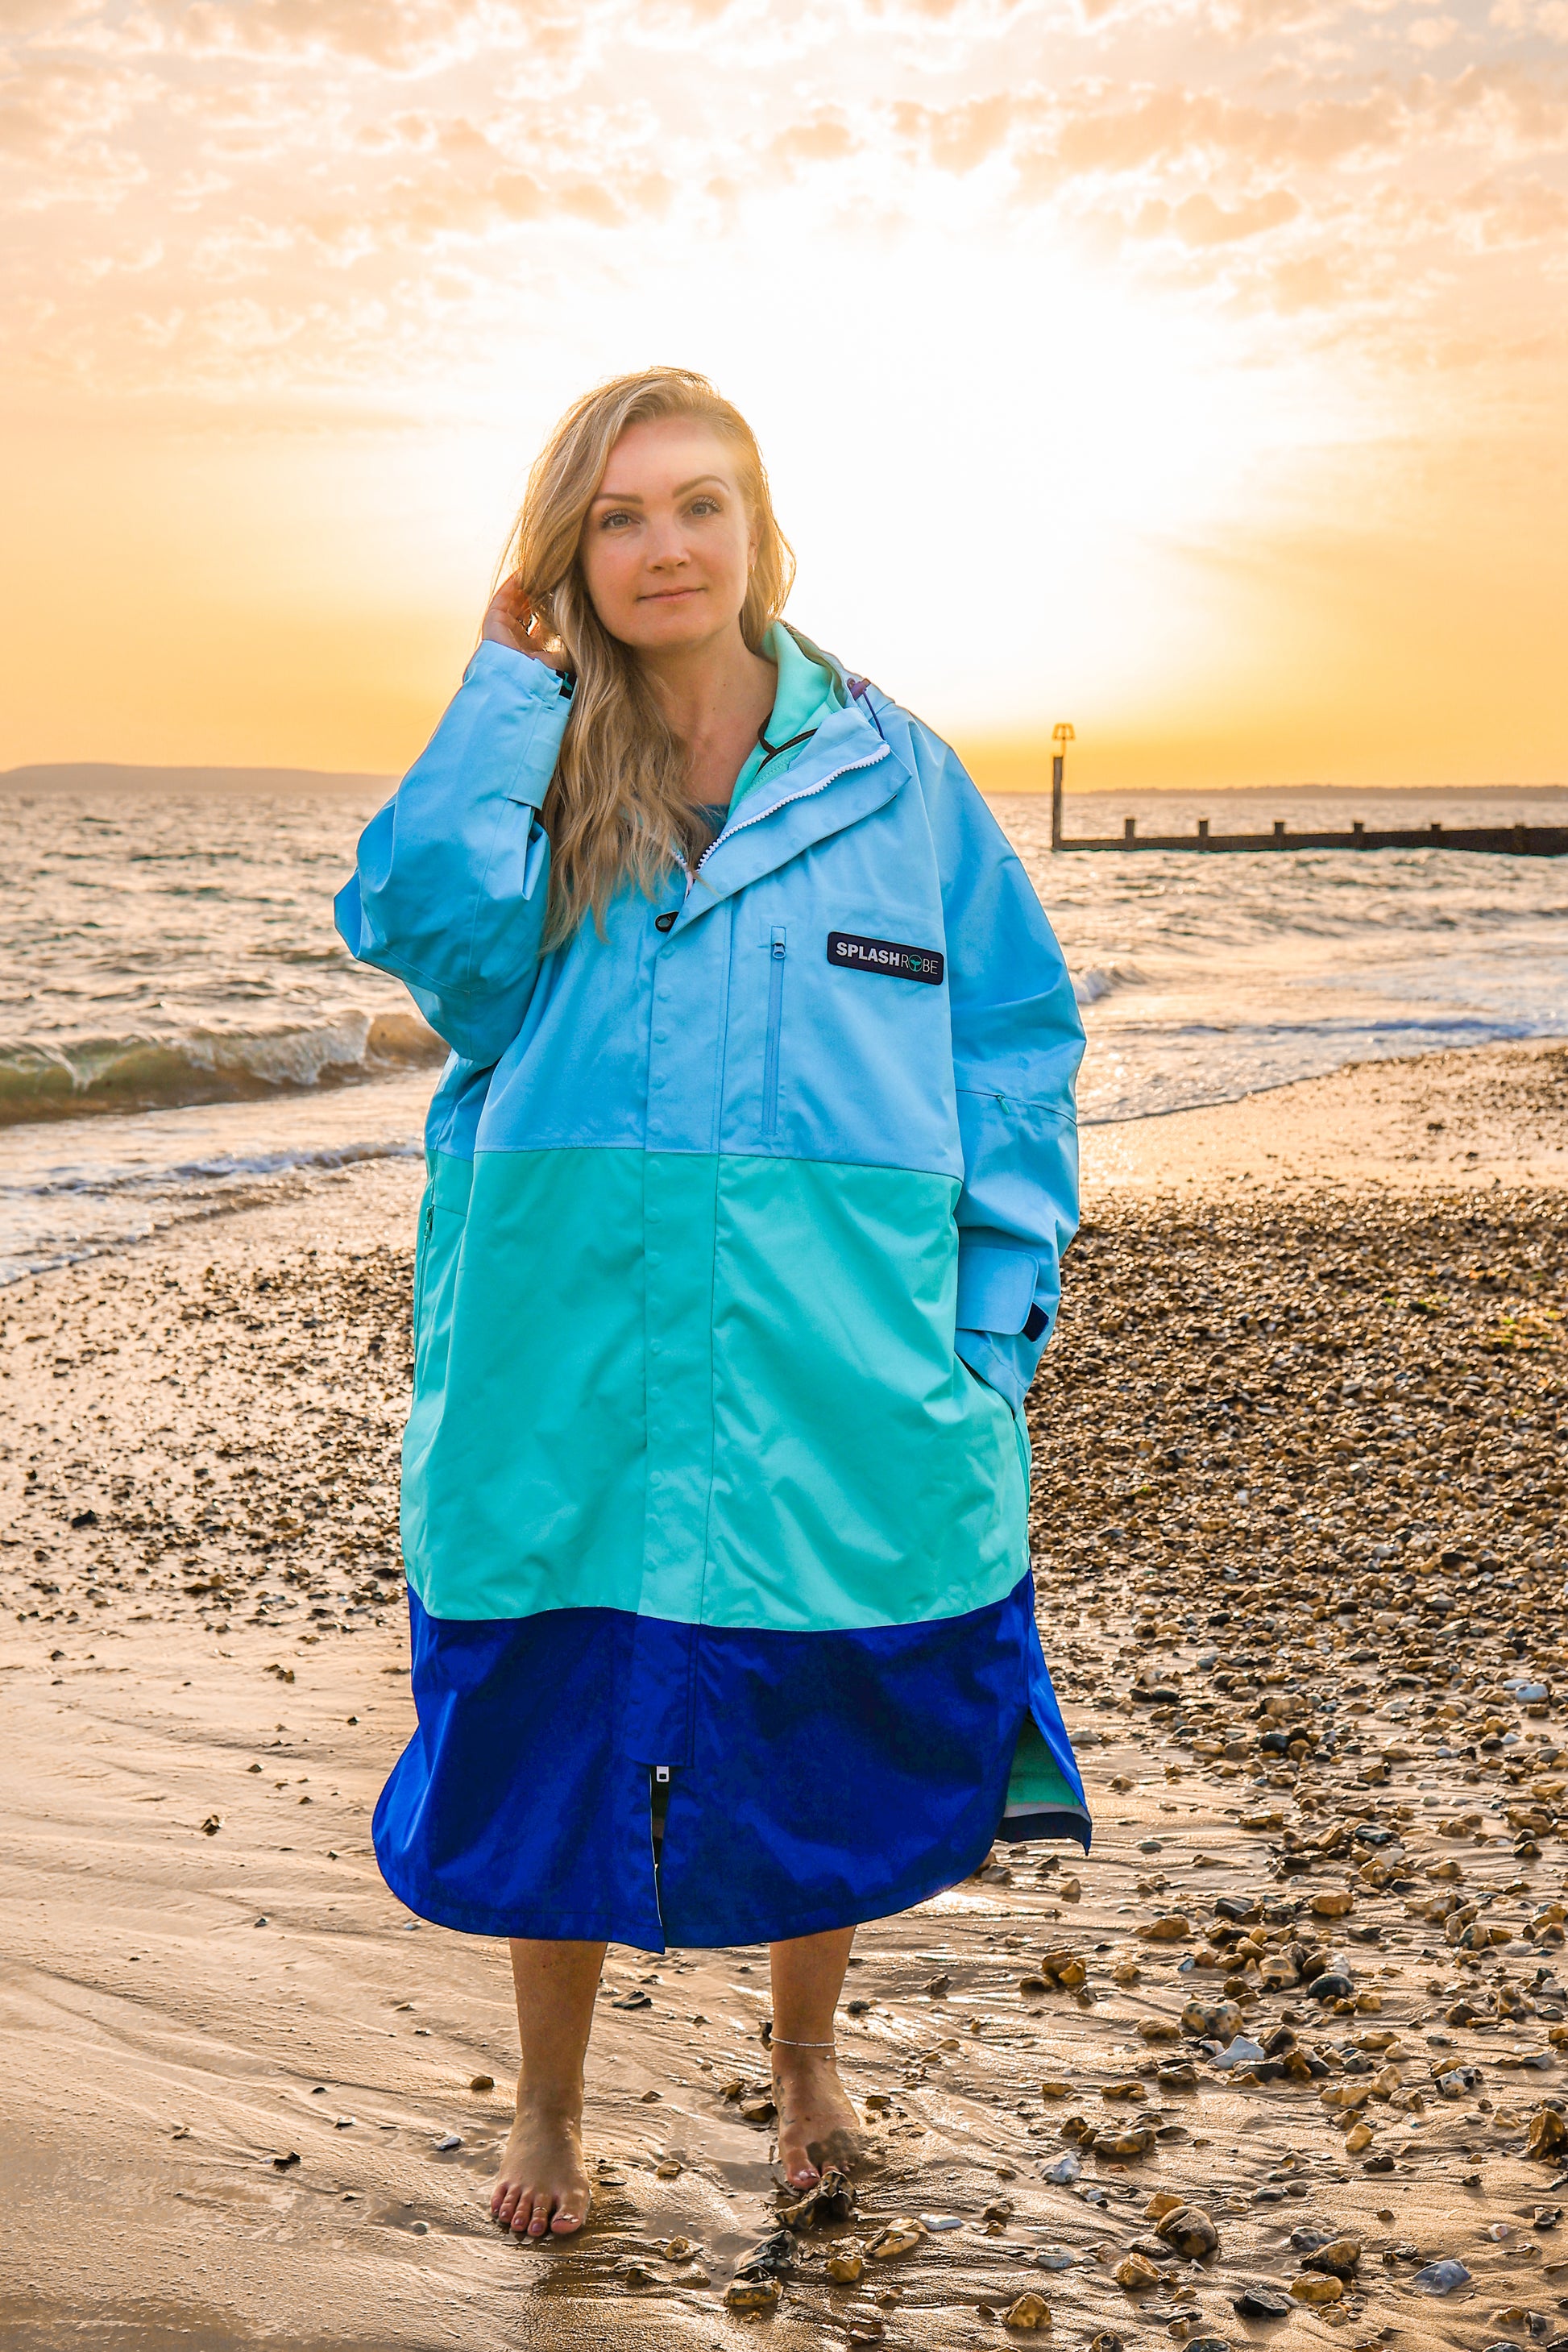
(1193, 369)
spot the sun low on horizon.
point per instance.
(1195, 370)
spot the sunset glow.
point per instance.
(1193, 369)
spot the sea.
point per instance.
(181, 1030)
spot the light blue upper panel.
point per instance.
(735, 1033)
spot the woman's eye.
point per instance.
(616, 516)
(706, 506)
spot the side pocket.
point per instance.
(775, 1022)
(443, 1216)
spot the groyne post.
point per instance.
(1061, 736)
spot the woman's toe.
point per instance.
(523, 2211)
(563, 2222)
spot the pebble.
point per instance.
(1261, 2303)
(1169, 1928)
(447, 2141)
(1190, 2230)
(1440, 2278)
(1241, 2053)
(1136, 2274)
(1339, 2258)
(897, 2237)
(752, 2295)
(1030, 2311)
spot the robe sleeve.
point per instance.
(1018, 1041)
(452, 876)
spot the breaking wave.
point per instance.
(1100, 980)
(149, 1073)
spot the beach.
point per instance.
(1301, 1546)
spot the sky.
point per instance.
(1193, 370)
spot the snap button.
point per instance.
(666, 922)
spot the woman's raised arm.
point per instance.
(452, 876)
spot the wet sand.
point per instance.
(1299, 1525)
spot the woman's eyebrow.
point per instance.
(635, 497)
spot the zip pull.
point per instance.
(661, 1774)
(778, 942)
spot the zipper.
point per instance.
(848, 769)
(770, 1053)
(426, 1223)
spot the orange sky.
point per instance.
(1193, 369)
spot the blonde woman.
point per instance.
(749, 1179)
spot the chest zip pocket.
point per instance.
(775, 1021)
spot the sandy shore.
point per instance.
(1300, 1482)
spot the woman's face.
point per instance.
(667, 545)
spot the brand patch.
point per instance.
(889, 956)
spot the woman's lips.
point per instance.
(670, 595)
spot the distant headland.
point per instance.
(113, 776)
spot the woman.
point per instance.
(750, 1175)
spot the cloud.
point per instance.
(1547, 17)
(825, 138)
(368, 166)
(1198, 220)
(403, 36)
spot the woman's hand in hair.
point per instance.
(512, 621)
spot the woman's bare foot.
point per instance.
(542, 2185)
(817, 2125)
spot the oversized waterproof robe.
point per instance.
(739, 1248)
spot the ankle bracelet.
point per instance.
(784, 2042)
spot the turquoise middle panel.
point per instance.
(862, 1475)
(706, 1389)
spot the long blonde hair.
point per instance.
(617, 810)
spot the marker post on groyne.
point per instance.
(1496, 840)
(1061, 736)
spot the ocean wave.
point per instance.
(146, 1073)
(218, 1170)
(1100, 980)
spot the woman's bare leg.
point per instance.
(817, 2125)
(543, 2183)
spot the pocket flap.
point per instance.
(995, 1289)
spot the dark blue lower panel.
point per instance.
(817, 1780)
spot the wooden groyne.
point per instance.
(1493, 840)
(1490, 840)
